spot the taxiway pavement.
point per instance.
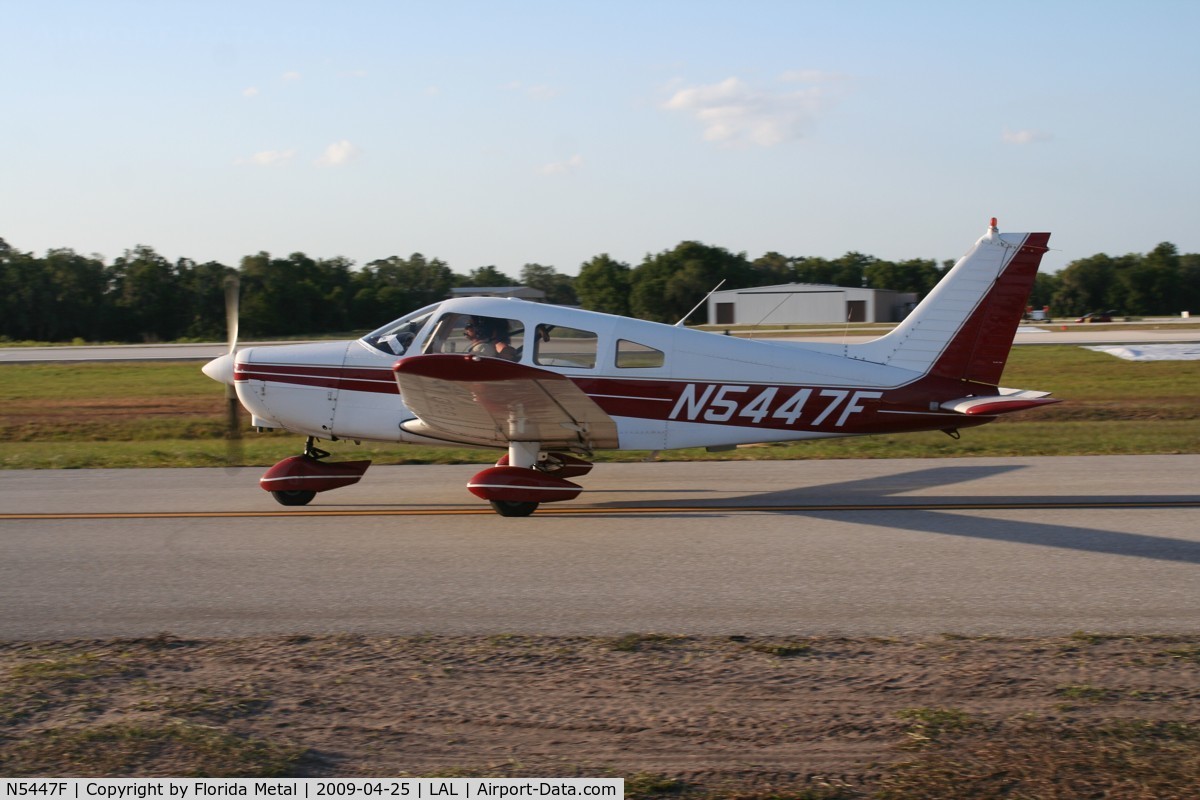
(1020, 546)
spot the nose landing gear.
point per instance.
(295, 481)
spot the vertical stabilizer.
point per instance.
(964, 327)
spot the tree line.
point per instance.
(143, 297)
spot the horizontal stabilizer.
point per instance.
(1007, 401)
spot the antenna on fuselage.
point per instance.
(702, 302)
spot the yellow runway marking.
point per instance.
(612, 510)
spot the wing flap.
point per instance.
(491, 402)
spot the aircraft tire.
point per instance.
(294, 497)
(509, 508)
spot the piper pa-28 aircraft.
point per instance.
(553, 385)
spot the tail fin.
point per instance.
(964, 327)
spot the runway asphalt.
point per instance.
(1022, 546)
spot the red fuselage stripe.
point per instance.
(356, 379)
(829, 409)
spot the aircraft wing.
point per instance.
(491, 402)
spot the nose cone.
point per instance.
(220, 369)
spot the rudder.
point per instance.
(980, 348)
(964, 328)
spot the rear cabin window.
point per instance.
(631, 355)
(558, 346)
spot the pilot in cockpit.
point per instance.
(489, 337)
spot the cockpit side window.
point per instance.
(631, 355)
(488, 337)
(559, 346)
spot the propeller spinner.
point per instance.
(221, 368)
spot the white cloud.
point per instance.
(290, 76)
(1025, 136)
(559, 167)
(269, 158)
(733, 113)
(338, 154)
(250, 91)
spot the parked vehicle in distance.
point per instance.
(1098, 316)
(1037, 314)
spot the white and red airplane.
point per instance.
(553, 385)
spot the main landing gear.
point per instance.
(293, 497)
(295, 481)
(520, 482)
(526, 477)
(513, 508)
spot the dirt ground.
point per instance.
(728, 716)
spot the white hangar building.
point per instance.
(801, 303)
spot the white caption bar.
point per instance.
(315, 788)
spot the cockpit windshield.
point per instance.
(395, 337)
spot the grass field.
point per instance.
(155, 414)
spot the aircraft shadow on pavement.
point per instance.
(886, 488)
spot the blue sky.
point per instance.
(551, 132)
